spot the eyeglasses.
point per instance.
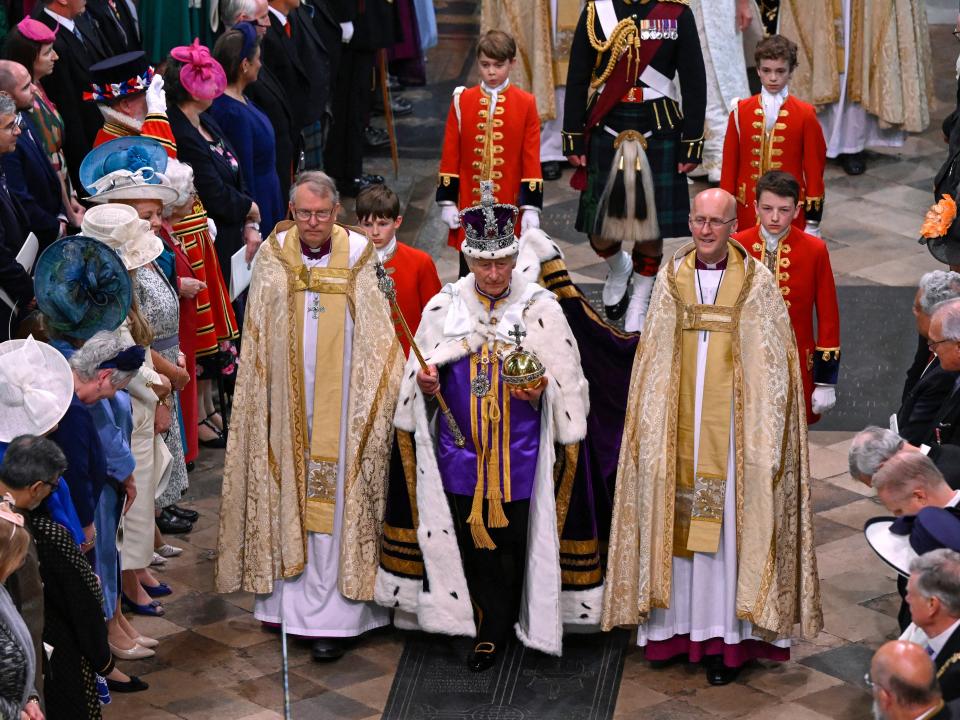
(956, 34)
(321, 215)
(867, 680)
(54, 484)
(932, 345)
(715, 223)
(14, 126)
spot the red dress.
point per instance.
(806, 283)
(188, 345)
(795, 145)
(416, 281)
(506, 151)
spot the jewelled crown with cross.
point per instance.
(521, 368)
(489, 227)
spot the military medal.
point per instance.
(644, 29)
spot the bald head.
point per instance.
(714, 199)
(713, 217)
(904, 677)
(15, 81)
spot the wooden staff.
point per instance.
(388, 112)
(385, 283)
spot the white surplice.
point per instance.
(704, 589)
(847, 127)
(310, 603)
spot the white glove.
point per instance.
(156, 98)
(212, 227)
(529, 219)
(812, 228)
(450, 215)
(347, 30)
(823, 399)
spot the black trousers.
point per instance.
(494, 577)
(343, 156)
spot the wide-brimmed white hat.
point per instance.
(144, 184)
(119, 227)
(36, 387)
(891, 547)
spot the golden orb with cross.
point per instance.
(521, 368)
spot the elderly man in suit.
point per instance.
(79, 45)
(902, 680)
(14, 280)
(928, 384)
(30, 175)
(933, 594)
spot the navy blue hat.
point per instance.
(82, 287)
(119, 76)
(131, 153)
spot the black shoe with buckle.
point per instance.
(484, 657)
(374, 138)
(326, 649)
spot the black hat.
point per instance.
(119, 76)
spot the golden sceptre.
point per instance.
(385, 283)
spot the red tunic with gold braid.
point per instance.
(216, 321)
(802, 268)
(794, 144)
(505, 150)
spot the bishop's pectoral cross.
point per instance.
(315, 307)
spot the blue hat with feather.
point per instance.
(82, 287)
(127, 168)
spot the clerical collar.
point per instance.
(701, 265)
(314, 253)
(386, 253)
(771, 240)
(498, 89)
(490, 299)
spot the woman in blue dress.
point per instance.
(246, 126)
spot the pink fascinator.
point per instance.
(201, 75)
(38, 32)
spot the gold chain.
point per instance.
(623, 38)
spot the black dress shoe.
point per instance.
(374, 138)
(550, 170)
(483, 657)
(134, 684)
(400, 106)
(188, 515)
(327, 649)
(718, 673)
(853, 164)
(170, 524)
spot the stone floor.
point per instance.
(215, 661)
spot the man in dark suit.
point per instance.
(294, 52)
(933, 594)
(14, 280)
(117, 24)
(30, 175)
(79, 45)
(943, 438)
(368, 27)
(928, 384)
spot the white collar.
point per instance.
(277, 14)
(387, 252)
(770, 240)
(937, 642)
(955, 500)
(66, 22)
(498, 89)
(769, 96)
